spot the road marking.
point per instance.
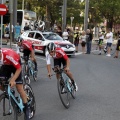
(41, 58)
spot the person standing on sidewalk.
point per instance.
(17, 30)
(83, 41)
(100, 42)
(109, 37)
(76, 41)
(117, 48)
(65, 35)
(89, 38)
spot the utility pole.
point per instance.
(15, 12)
(86, 15)
(11, 19)
(64, 14)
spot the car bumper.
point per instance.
(69, 51)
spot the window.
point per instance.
(38, 36)
(31, 35)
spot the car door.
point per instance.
(38, 42)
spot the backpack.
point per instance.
(7, 30)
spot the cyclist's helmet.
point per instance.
(51, 47)
(19, 39)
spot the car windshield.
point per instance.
(52, 36)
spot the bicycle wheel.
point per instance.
(4, 109)
(35, 76)
(64, 96)
(31, 99)
(26, 79)
(73, 92)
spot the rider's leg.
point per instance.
(35, 62)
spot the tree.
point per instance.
(106, 9)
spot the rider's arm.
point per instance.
(68, 64)
(17, 73)
(32, 55)
(48, 63)
(49, 69)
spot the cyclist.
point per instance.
(59, 57)
(28, 50)
(10, 62)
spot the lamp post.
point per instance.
(72, 18)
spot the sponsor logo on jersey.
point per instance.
(11, 59)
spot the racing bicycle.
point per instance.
(11, 106)
(64, 83)
(29, 70)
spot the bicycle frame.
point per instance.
(31, 67)
(63, 75)
(66, 81)
(11, 95)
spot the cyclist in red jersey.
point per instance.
(28, 50)
(59, 57)
(10, 62)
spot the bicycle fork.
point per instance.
(4, 111)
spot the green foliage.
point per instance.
(99, 10)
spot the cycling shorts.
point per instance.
(26, 52)
(7, 70)
(100, 42)
(58, 62)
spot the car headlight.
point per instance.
(73, 46)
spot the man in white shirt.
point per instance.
(65, 35)
(109, 37)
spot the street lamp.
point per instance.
(72, 18)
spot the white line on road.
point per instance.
(41, 58)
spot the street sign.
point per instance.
(3, 9)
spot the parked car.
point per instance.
(41, 39)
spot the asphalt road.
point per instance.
(98, 97)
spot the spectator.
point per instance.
(12, 32)
(89, 37)
(100, 42)
(83, 41)
(17, 30)
(76, 40)
(65, 35)
(26, 27)
(109, 37)
(117, 48)
(59, 31)
(6, 35)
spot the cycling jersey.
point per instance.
(27, 45)
(10, 57)
(59, 53)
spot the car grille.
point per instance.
(69, 52)
(66, 46)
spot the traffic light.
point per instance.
(61, 10)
